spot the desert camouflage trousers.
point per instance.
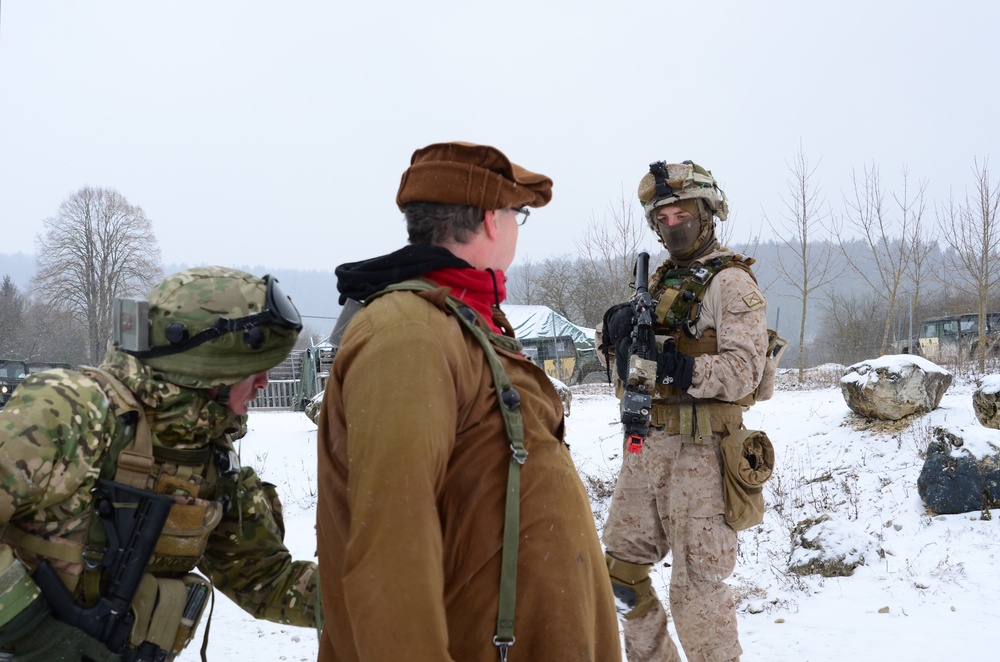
(670, 498)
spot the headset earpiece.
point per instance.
(254, 337)
(176, 333)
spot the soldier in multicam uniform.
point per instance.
(161, 419)
(710, 323)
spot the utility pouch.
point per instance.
(666, 303)
(747, 463)
(185, 534)
(167, 613)
(775, 348)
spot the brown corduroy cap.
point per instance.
(462, 173)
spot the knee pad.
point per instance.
(633, 588)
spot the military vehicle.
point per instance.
(956, 337)
(12, 371)
(11, 374)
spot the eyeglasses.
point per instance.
(522, 214)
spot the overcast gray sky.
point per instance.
(275, 133)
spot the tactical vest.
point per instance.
(678, 311)
(163, 603)
(510, 401)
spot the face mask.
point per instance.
(680, 239)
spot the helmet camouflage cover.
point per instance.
(194, 300)
(669, 183)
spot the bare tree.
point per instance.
(850, 328)
(55, 335)
(890, 234)
(917, 279)
(607, 256)
(97, 247)
(556, 285)
(522, 283)
(972, 231)
(812, 265)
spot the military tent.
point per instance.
(564, 350)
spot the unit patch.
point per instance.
(753, 301)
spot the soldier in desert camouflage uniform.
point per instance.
(214, 333)
(710, 323)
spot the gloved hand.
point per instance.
(54, 641)
(617, 323)
(674, 367)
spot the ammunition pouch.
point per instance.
(696, 419)
(167, 613)
(185, 535)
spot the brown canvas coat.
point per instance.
(413, 463)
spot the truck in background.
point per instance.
(955, 337)
(12, 371)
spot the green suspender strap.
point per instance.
(510, 408)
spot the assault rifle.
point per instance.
(133, 520)
(640, 380)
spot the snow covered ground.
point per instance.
(928, 589)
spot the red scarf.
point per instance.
(474, 287)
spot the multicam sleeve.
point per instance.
(52, 434)
(247, 560)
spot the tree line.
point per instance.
(850, 277)
(96, 248)
(842, 282)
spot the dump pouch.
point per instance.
(748, 462)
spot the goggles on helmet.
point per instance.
(278, 311)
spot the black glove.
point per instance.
(617, 323)
(53, 641)
(674, 367)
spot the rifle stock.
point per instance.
(133, 520)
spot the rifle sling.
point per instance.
(514, 425)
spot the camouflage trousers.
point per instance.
(670, 498)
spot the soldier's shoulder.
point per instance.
(739, 290)
(58, 387)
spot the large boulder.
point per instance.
(961, 472)
(893, 387)
(986, 401)
(828, 548)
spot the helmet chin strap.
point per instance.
(222, 396)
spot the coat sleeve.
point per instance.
(53, 432)
(401, 406)
(247, 560)
(734, 306)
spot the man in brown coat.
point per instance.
(415, 457)
(712, 338)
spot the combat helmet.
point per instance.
(214, 326)
(668, 183)
(673, 183)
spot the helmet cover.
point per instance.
(194, 300)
